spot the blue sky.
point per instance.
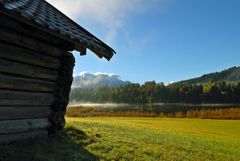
(161, 40)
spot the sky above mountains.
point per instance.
(162, 40)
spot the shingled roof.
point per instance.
(42, 14)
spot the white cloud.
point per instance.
(110, 14)
(171, 82)
(94, 80)
(84, 73)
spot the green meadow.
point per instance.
(161, 139)
(140, 139)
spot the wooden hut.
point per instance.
(36, 66)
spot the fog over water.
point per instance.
(157, 107)
(101, 105)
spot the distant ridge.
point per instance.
(228, 75)
(97, 80)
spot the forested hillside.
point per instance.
(228, 75)
(221, 87)
(151, 92)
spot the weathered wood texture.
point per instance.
(8, 138)
(12, 52)
(13, 37)
(17, 126)
(18, 112)
(62, 93)
(36, 33)
(22, 69)
(35, 81)
(21, 83)
(17, 98)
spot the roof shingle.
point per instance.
(45, 15)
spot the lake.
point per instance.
(157, 107)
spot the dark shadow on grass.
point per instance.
(68, 146)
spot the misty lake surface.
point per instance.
(157, 107)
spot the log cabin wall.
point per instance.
(36, 66)
(35, 81)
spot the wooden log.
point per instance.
(17, 98)
(17, 126)
(58, 119)
(57, 122)
(26, 84)
(22, 40)
(13, 113)
(9, 138)
(62, 94)
(60, 104)
(37, 32)
(12, 52)
(11, 67)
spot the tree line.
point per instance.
(152, 92)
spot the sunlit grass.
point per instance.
(133, 139)
(161, 139)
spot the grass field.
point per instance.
(146, 139)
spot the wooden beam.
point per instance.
(18, 54)
(58, 119)
(11, 67)
(21, 83)
(62, 94)
(36, 32)
(17, 98)
(22, 40)
(13, 113)
(17, 126)
(8, 138)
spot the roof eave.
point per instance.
(107, 53)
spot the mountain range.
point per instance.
(90, 80)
